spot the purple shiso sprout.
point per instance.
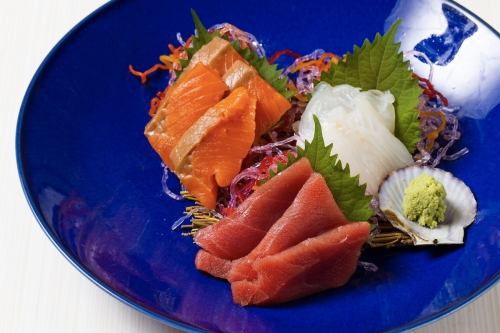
(164, 184)
(252, 173)
(368, 266)
(305, 79)
(242, 36)
(314, 55)
(275, 146)
(186, 216)
(425, 57)
(448, 136)
(180, 39)
(307, 75)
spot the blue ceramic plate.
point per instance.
(93, 182)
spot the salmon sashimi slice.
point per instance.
(271, 105)
(312, 212)
(316, 264)
(239, 233)
(197, 90)
(218, 54)
(212, 265)
(211, 151)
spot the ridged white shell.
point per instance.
(460, 202)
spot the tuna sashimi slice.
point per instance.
(218, 54)
(197, 90)
(312, 212)
(316, 264)
(211, 151)
(236, 235)
(212, 265)
(271, 105)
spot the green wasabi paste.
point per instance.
(424, 201)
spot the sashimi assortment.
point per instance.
(294, 172)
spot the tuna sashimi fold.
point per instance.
(289, 239)
(315, 264)
(236, 235)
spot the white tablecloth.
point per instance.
(39, 290)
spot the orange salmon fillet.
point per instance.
(211, 151)
(271, 105)
(197, 90)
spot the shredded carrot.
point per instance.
(310, 63)
(325, 65)
(432, 136)
(169, 59)
(153, 106)
(155, 103)
(320, 63)
(144, 75)
(296, 94)
(175, 50)
(188, 41)
(278, 54)
(333, 57)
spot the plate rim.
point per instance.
(451, 308)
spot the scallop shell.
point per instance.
(460, 202)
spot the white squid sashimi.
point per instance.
(360, 125)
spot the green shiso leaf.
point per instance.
(380, 65)
(348, 193)
(201, 38)
(268, 72)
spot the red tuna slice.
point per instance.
(212, 265)
(236, 235)
(312, 212)
(316, 264)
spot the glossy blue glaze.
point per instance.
(441, 49)
(94, 182)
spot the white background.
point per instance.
(39, 290)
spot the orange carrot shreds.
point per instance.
(321, 63)
(305, 64)
(153, 106)
(433, 135)
(155, 103)
(169, 60)
(333, 57)
(175, 50)
(278, 54)
(296, 94)
(325, 64)
(189, 41)
(144, 75)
